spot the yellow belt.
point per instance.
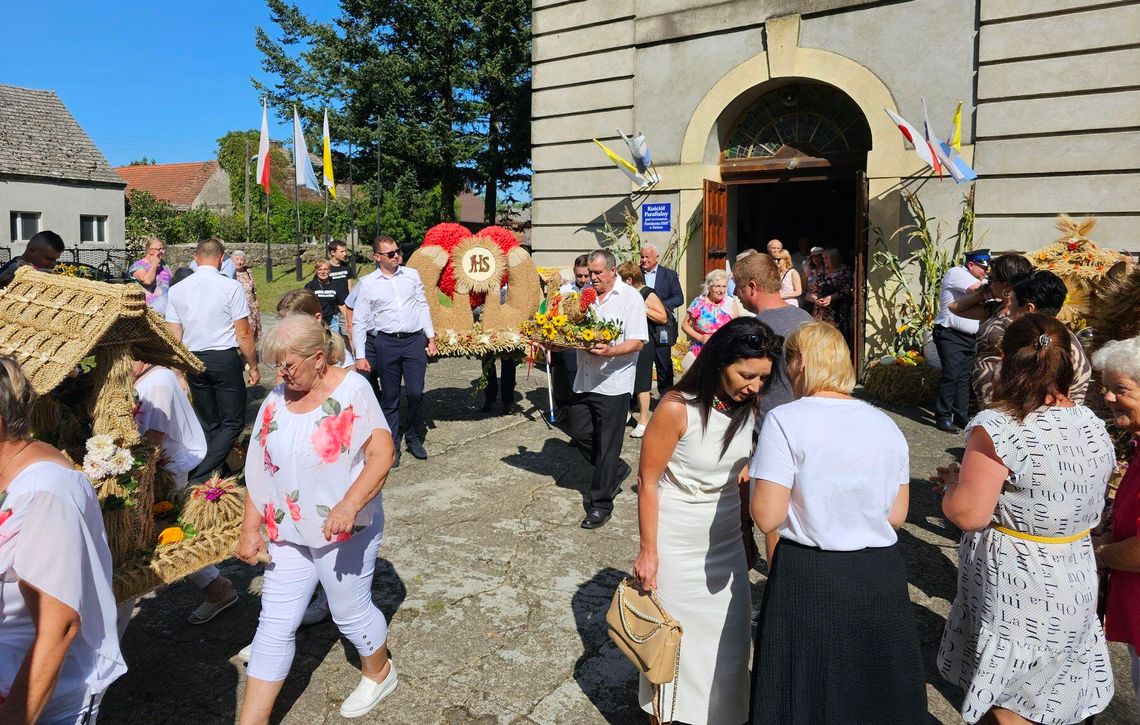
(1040, 539)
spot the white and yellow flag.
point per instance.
(327, 171)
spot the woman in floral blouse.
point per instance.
(245, 277)
(320, 454)
(710, 311)
(832, 292)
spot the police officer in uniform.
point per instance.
(954, 337)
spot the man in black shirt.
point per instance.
(329, 293)
(343, 273)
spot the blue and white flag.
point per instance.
(306, 177)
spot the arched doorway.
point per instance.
(792, 167)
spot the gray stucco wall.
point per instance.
(215, 194)
(60, 205)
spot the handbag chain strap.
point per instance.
(658, 624)
(657, 691)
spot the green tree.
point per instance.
(147, 216)
(406, 74)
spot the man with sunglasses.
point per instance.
(392, 338)
(955, 338)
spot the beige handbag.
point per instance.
(648, 636)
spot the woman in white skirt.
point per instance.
(696, 537)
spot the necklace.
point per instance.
(720, 405)
(14, 457)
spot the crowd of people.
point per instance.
(759, 441)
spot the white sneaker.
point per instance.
(318, 609)
(638, 431)
(369, 693)
(243, 655)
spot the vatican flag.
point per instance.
(327, 171)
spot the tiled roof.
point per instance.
(39, 137)
(470, 208)
(179, 184)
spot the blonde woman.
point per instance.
(319, 457)
(791, 287)
(710, 311)
(836, 641)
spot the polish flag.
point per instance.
(921, 146)
(263, 150)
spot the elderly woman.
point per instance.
(245, 278)
(695, 543)
(59, 650)
(790, 285)
(813, 268)
(837, 641)
(710, 311)
(1119, 365)
(631, 274)
(320, 455)
(1022, 637)
(832, 292)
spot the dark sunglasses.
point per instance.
(765, 345)
(390, 255)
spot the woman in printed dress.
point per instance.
(710, 311)
(245, 277)
(152, 273)
(832, 292)
(314, 470)
(1022, 637)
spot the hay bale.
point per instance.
(902, 384)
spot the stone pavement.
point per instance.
(496, 597)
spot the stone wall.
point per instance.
(179, 255)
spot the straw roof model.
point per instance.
(49, 323)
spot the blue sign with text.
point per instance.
(657, 217)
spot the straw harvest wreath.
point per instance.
(462, 271)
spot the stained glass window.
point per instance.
(814, 120)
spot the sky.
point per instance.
(160, 79)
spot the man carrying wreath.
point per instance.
(603, 385)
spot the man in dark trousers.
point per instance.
(342, 272)
(667, 285)
(564, 365)
(208, 312)
(391, 312)
(955, 339)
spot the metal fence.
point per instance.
(105, 265)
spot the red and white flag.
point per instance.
(921, 145)
(263, 150)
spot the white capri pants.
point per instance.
(345, 571)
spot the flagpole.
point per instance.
(297, 206)
(378, 140)
(351, 210)
(268, 249)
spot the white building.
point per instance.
(52, 176)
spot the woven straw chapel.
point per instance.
(76, 341)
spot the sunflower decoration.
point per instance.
(1077, 260)
(569, 320)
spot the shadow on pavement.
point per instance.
(602, 672)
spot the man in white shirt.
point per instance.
(603, 385)
(391, 328)
(209, 314)
(954, 337)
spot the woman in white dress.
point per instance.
(696, 537)
(59, 650)
(1022, 638)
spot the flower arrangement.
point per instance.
(903, 378)
(105, 461)
(910, 358)
(570, 321)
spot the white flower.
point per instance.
(95, 468)
(513, 337)
(120, 462)
(484, 339)
(101, 445)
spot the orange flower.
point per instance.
(171, 535)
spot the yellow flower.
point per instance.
(559, 320)
(587, 335)
(540, 317)
(902, 328)
(171, 535)
(607, 335)
(161, 507)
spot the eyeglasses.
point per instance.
(390, 255)
(765, 345)
(290, 370)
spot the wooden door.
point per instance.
(861, 247)
(715, 225)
